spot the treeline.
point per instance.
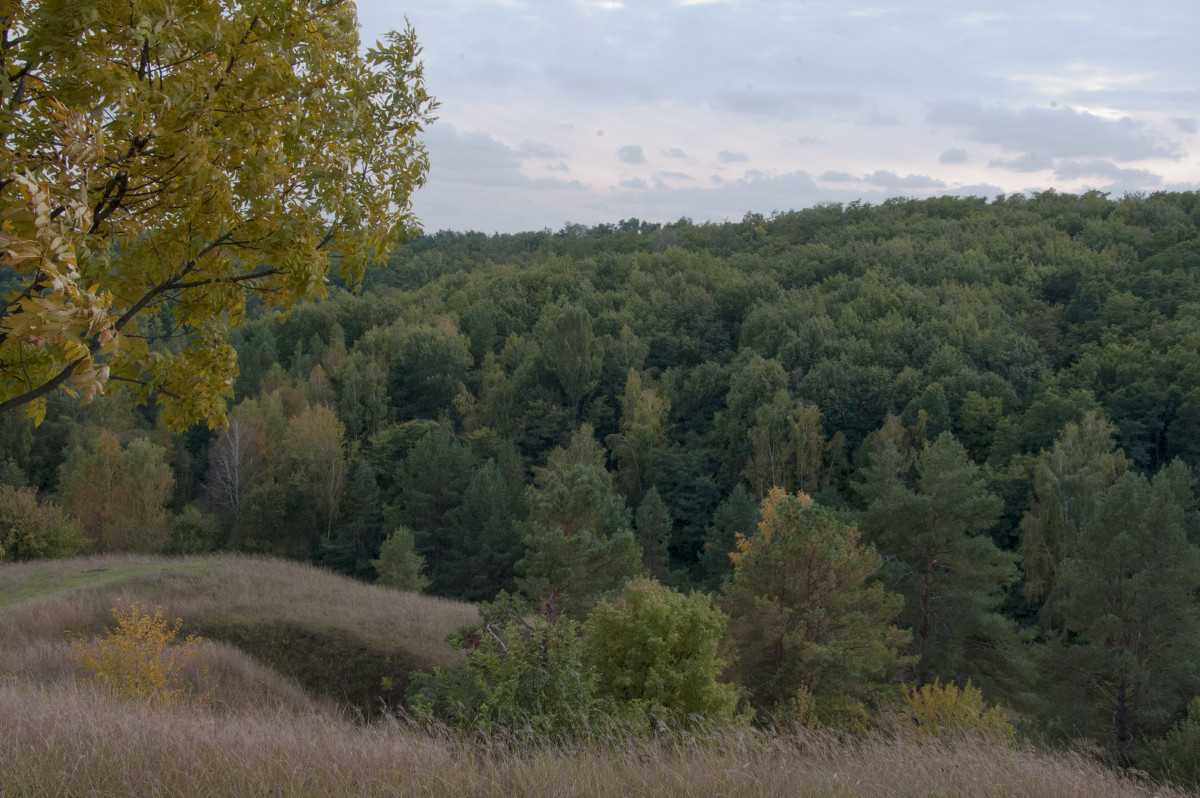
(993, 406)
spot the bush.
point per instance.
(137, 660)
(1177, 755)
(194, 531)
(528, 679)
(938, 710)
(658, 648)
(33, 530)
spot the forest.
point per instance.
(843, 453)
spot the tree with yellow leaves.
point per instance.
(162, 162)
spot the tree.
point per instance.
(737, 515)
(315, 455)
(483, 546)
(118, 494)
(1127, 600)
(643, 426)
(399, 566)
(808, 626)
(234, 463)
(161, 163)
(571, 351)
(653, 522)
(1069, 481)
(929, 512)
(579, 545)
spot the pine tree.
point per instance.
(929, 513)
(579, 545)
(808, 624)
(1130, 654)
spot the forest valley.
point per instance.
(801, 466)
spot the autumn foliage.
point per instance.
(138, 659)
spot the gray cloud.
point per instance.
(540, 149)
(636, 183)
(674, 152)
(874, 118)
(1071, 170)
(1186, 125)
(838, 177)
(891, 180)
(976, 190)
(672, 176)
(471, 156)
(1055, 132)
(727, 156)
(631, 154)
(1029, 162)
(953, 155)
(809, 141)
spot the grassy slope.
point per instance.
(265, 735)
(337, 637)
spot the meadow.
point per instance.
(264, 729)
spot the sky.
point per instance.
(593, 111)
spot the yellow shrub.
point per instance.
(137, 659)
(946, 711)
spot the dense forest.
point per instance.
(975, 423)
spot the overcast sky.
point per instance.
(590, 111)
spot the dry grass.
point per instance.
(40, 603)
(79, 742)
(244, 589)
(263, 734)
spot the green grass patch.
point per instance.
(20, 582)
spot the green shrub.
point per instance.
(527, 679)
(1176, 756)
(194, 531)
(658, 649)
(33, 530)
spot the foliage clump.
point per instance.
(138, 660)
(658, 649)
(944, 710)
(527, 678)
(1176, 755)
(34, 530)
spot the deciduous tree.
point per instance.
(161, 162)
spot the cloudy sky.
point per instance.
(589, 111)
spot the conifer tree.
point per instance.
(929, 511)
(810, 627)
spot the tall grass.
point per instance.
(263, 734)
(80, 742)
(46, 598)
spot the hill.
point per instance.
(280, 631)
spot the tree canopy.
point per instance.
(161, 163)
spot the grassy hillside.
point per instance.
(289, 647)
(271, 622)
